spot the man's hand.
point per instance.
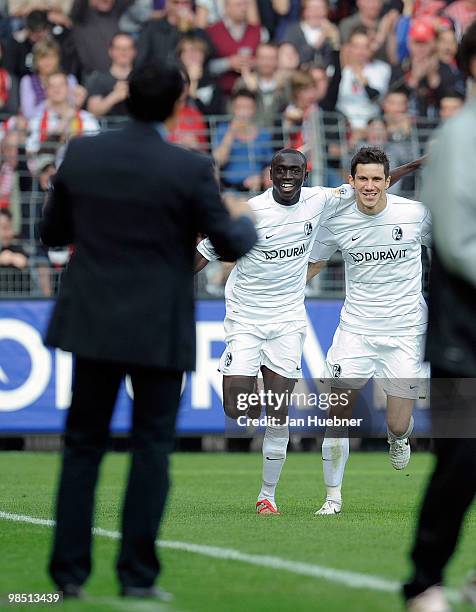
(237, 206)
(120, 91)
(253, 183)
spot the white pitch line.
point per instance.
(353, 580)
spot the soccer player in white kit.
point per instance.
(383, 320)
(265, 324)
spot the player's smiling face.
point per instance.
(288, 172)
(370, 184)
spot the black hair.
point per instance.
(453, 93)
(291, 151)
(154, 90)
(401, 89)
(467, 50)
(242, 92)
(6, 213)
(36, 21)
(370, 155)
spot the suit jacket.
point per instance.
(132, 205)
(451, 337)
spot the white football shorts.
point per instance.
(278, 346)
(396, 361)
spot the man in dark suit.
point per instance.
(449, 189)
(132, 204)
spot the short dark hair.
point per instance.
(120, 33)
(290, 151)
(467, 50)
(453, 93)
(401, 89)
(37, 21)
(242, 92)
(370, 155)
(153, 91)
(6, 213)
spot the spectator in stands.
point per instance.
(363, 82)
(450, 104)
(423, 73)
(235, 41)
(378, 26)
(94, 24)
(8, 89)
(10, 193)
(462, 13)
(395, 113)
(14, 273)
(59, 120)
(310, 88)
(241, 148)
(46, 61)
(314, 36)
(204, 90)
(19, 47)
(296, 129)
(160, 37)
(277, 15)
(212, 11)
(107, 91)
(263, 81)
(190, 129)
(446, 49)
(288, 63)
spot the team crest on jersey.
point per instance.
(336, 370)
(397, 233)
(308, 228)
(228, 360)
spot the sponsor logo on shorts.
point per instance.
(336, 370)
(285, 253)
(308, 228)
(228, 360)
(397, 233)
(378, 255)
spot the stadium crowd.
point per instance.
(322, 76)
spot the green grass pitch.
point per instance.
(212, 503)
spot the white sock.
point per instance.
(407, 434)
(335, 452)
(275, 443)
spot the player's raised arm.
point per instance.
(397, 173)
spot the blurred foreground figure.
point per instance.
(126, 307)
(450, 192)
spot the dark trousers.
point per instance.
(449, 494)
(156, 399)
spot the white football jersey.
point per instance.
(267, 284)
(383, 271)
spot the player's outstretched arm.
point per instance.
(313, 268)
(397, 173)
(200, 262)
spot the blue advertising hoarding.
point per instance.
(35, 382)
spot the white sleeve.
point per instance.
(426, 230)
(205, 248)
(325, 245)
(337, 198)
